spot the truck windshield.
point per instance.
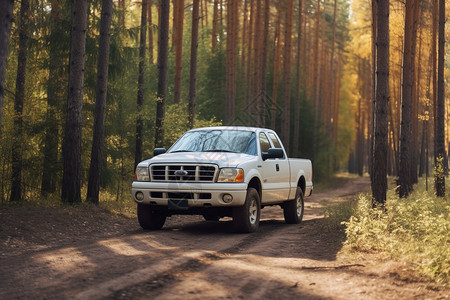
(236, 141)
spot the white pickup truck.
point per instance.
(222, 172)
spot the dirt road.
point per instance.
(194, 259)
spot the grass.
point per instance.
(125, 206)
(415, 229)
(334, 181)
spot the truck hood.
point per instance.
(220, 158)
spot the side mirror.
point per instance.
(159, 151)
(273, 153)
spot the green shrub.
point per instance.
(416, 229)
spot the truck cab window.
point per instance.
(275, 141)
(264, 142)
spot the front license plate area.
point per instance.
(178, 204)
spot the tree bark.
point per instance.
(193, 71)
(404, 180)
(100, 102)
(17, 149)
(439, 179)
(415, 95)
(231, 60)
(286, 124)
(276, 65)
(150, 32)
(256, 109)
(140, 90)
(214, 25)
(316, 79)
(298, 83)
(71, 184)
(178, 44)
(163, 56)
(6, 18)
(379, 178)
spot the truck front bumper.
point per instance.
(196, 194)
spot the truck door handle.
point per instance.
(277, 166)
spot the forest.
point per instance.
(89, 88)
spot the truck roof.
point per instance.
(246, 128)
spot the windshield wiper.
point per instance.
(180, 151)
(220, 150)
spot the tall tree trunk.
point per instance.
(244, 43)
(415, 96)
(265, 46)
(6, 18)
(150, 31)
(373, 74)
(178, 44)
(256, 108)
(276, 65)
(17, 148)
(71, 184)
(163, 56)
(140, 90)
(55, 95)
(316, 79)
(230, 78)
(379, 179)
(250, 45)
(100, 102)
(298, 83)
(214, 25)
(193, 72)
(439, 179)
(404, 179)
(286, 124)
(434, 33)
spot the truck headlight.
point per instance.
(142, 174)
(231, 175)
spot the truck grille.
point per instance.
(191, 173)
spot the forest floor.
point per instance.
(87, 252)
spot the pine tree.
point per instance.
(71, 184)
(100, 102)
(193, 71)
(6, 18)
(140, 89)
(16, 184)
(163, 56)
(379, 178)
(440, 107)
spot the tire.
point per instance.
(149, 218)
(246, 217)
(293, 209)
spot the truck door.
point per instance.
(275, 174)
(284, 173)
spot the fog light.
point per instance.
(227, 198)
(139, 196)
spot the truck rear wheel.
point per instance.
(246, 218)
(293, 209)
(149, 218)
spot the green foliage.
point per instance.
(337, 214)
(414, 228)
(176, 123)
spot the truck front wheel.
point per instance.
(246, 218)
(293, 209)
(149, 218)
